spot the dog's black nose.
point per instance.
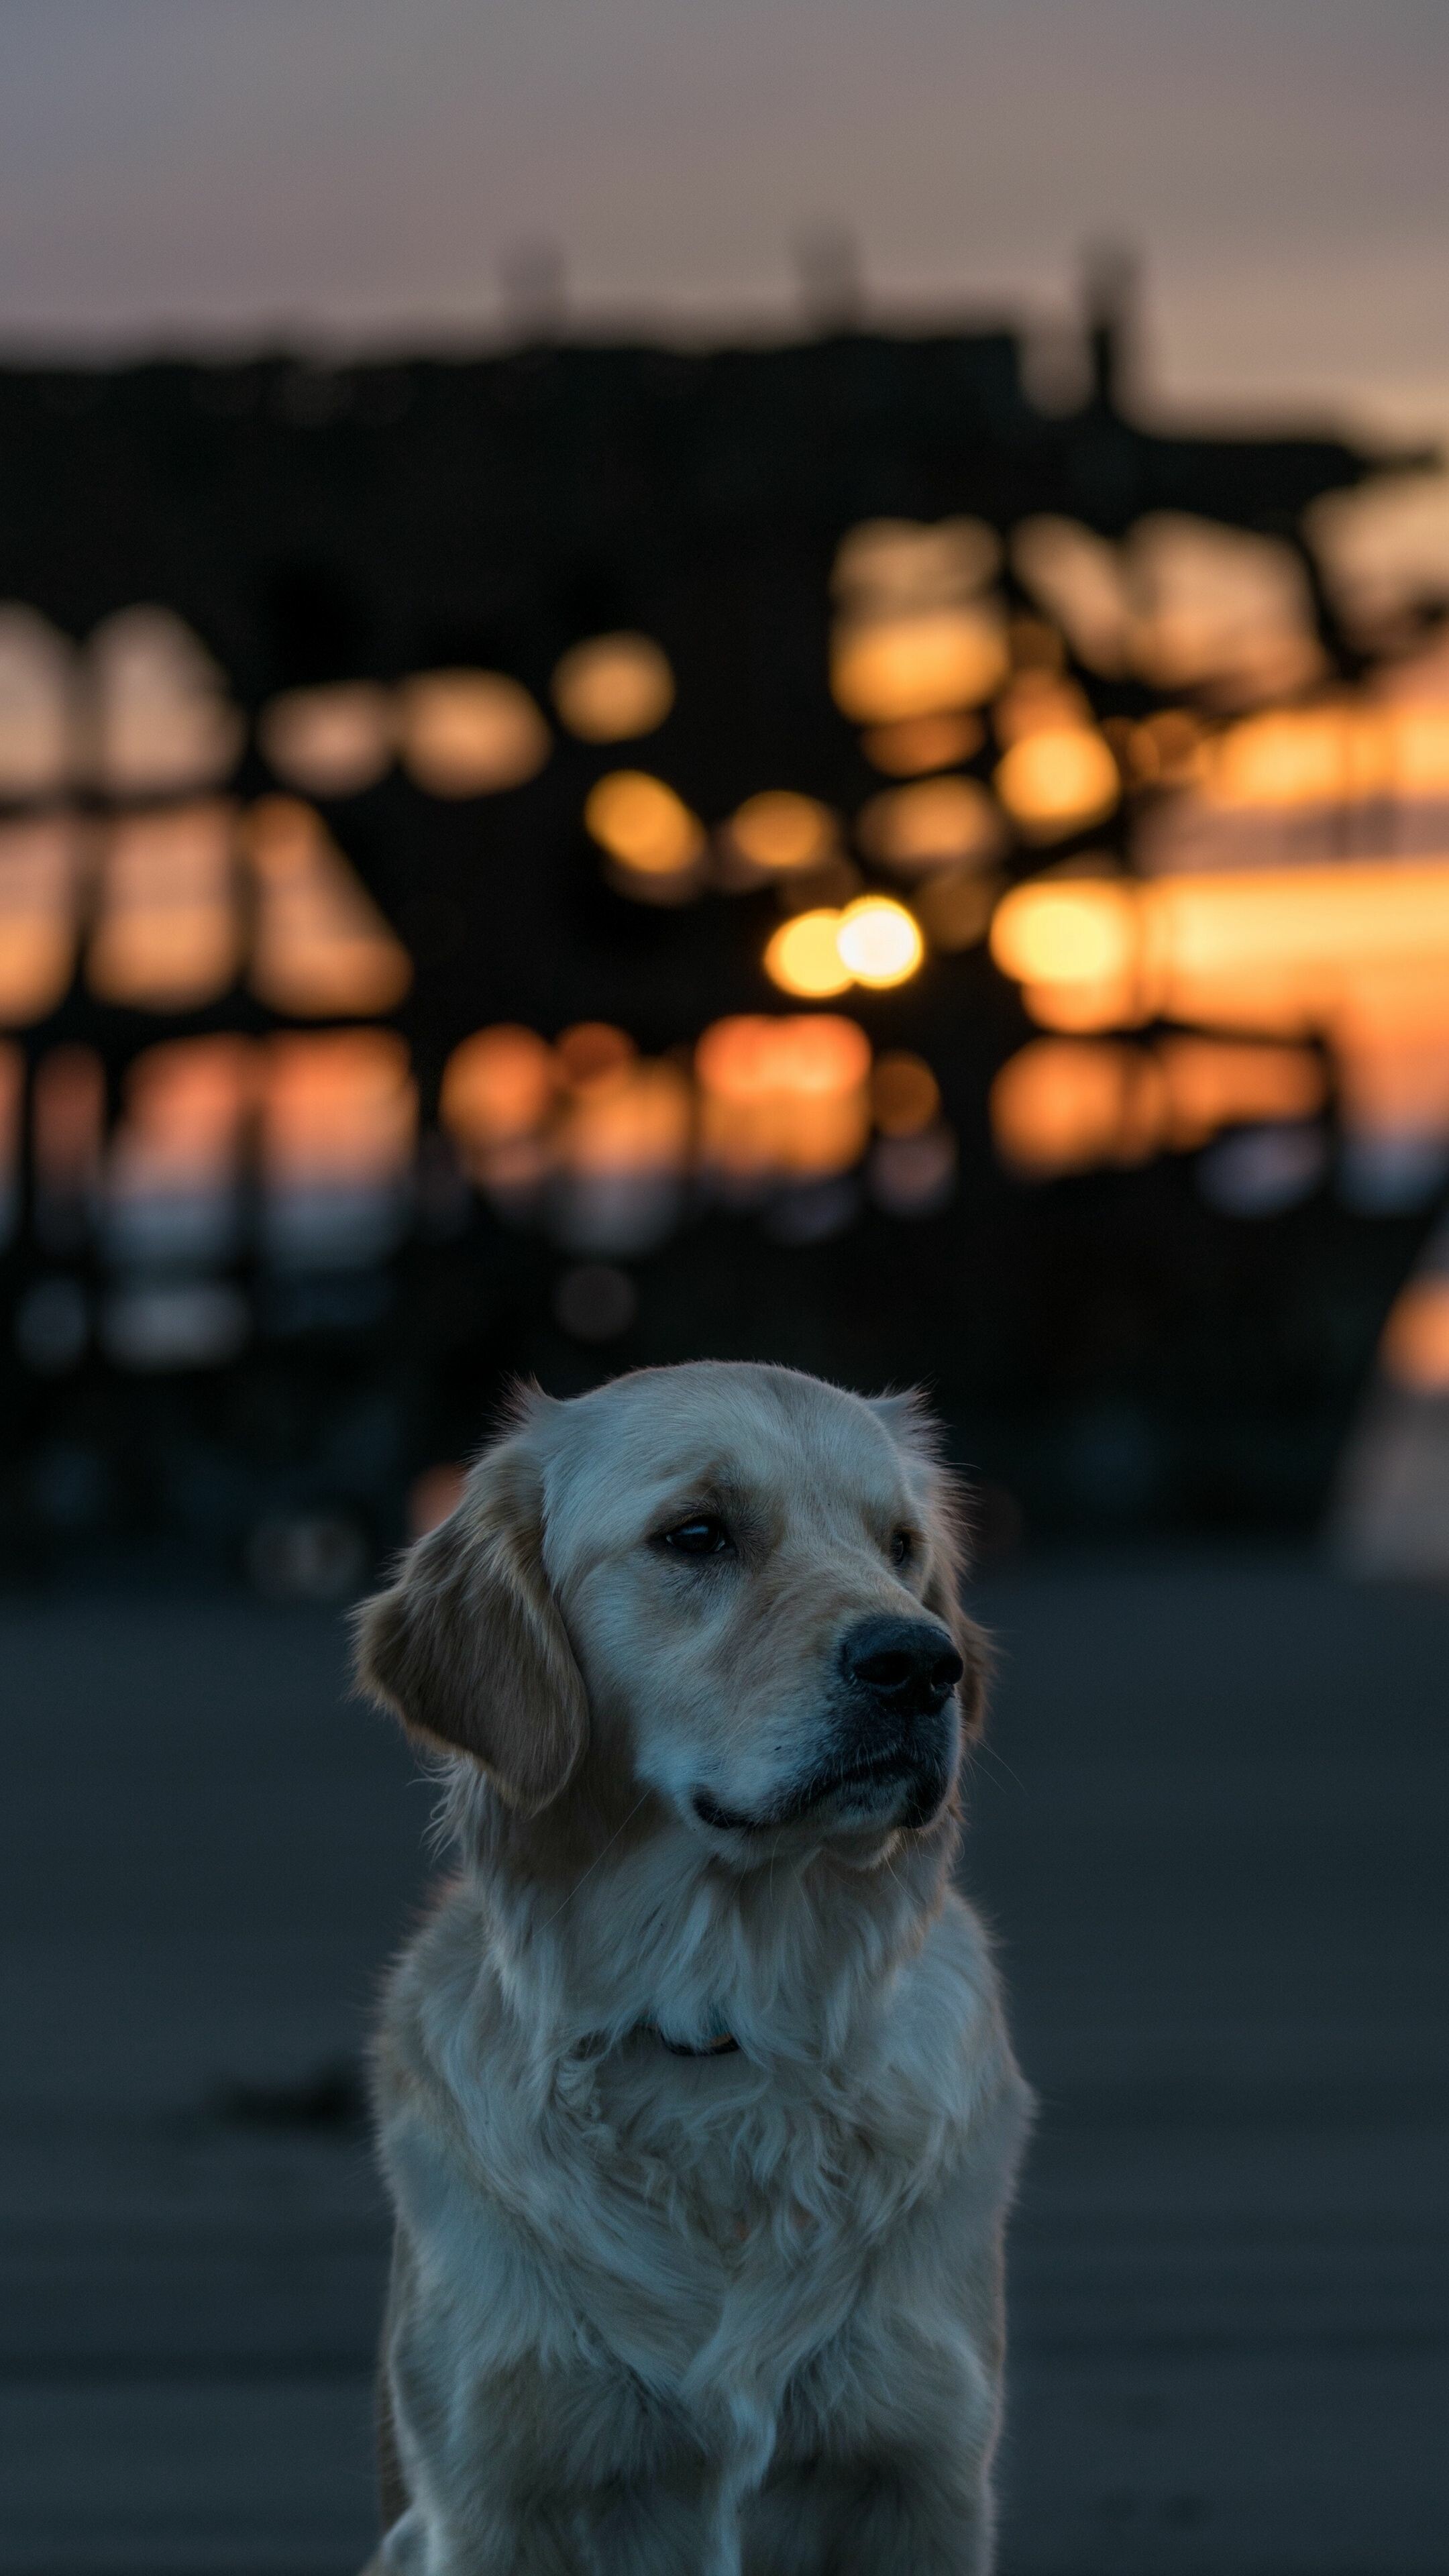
(907, 1665)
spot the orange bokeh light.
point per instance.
(780, 831)
(879, 941)
(613, 687)
(804, 956)
(643, 825)
(1058, 780)
(1415, 1350)
(923, 662)
(498, 1085)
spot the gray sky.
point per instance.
(195, 168)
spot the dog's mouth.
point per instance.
(881, 1771)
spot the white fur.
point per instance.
(725, 2316)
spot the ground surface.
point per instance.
(1211, 1833)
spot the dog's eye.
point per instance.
(903, 1546)
(703, 1535)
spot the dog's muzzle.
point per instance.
(892, 1752)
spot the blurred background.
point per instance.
(770, 686)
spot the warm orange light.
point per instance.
(935, 823)
(1357, 953)
(613, 687)
(594, 1052)
(470, 733)
(185, 1104)
(1067, 1104)
(37, 917)
(804, 956)
(1066, 931)
(921, 742)
(910, 562)
(168, 930)
(783, 1096)
(1081, 579)
(321, 946)
(638, 1124)
(37, 705)
(163, 721)
(498, 1085)
(879, 941)
(1062, 779)
(1415, 1352)
(1212, 1083)
(1342, 752)
(643, 825)
(780, 831)
(904, 1094)
(329, 741)
(338, 1106)
(919, 663)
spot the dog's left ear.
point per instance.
(467, 1646)
(947, 1518)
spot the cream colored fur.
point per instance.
(656, 2315)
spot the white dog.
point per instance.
(694, 2092)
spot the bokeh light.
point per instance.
(804, 956)
(905, 1095)
(612, 688)
(779, 831)
(917, 743)
(167, 935)
(879, 941)
(932, 824)
(1415, 1349)
(884, 669)
(38, 871)
(470, 733)
(1062, 779)
(498, 1085)
(645, 827)
(320, 945)
(329, 741)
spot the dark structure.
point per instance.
(1103, 1345)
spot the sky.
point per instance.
(188, 171)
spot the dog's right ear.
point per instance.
(467, 1646)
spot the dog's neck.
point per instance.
(651, 1931)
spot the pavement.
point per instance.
(1210, 1832)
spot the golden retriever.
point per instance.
(694, 2093)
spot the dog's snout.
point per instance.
(906, 1665)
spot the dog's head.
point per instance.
(731, 1585)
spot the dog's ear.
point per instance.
(947, 1519)
(467, 1645)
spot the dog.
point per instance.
(694, 2092)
